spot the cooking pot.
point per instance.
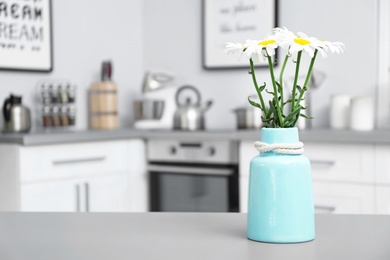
(248, 118)
(190, 112)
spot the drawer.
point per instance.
(73, 160)
(344, 198)
(342, 162)
(382, 156)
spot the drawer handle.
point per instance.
(324, 163)
(324, 209)
(83, 160)
(77, 189)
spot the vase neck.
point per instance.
(279, 135)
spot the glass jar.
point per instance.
(55, 116)
(72, 115)
(46, 118)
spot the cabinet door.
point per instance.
(107, 194)
(341, 162)
(344, 198)
(382, 156)
(246, 153)
(382, 200)
(55, 196)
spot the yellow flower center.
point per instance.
(266, 42)
(301, 41)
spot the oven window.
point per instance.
(189, 193)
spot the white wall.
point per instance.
(173, 42)
(85, 33)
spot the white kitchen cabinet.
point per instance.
(341, 162)
(246, 152)
(343, 198)
(92, 176)
(108, 194)
(97, 194)
(382, 199)
(382, 161)
(50, 196)
(382, 157)
(343, 176)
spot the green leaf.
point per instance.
(269, 92)
(253, 103)
(279, 86)
(266, 120)
(288, 101)
(292, 115)
(305, 116)
(299, 88)
(262, 88)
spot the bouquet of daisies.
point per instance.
(295, 44)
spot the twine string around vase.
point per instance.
(296, 148)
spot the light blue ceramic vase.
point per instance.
(280, 206)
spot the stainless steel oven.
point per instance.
(193, 176)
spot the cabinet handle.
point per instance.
(86, 186)
(324, 209)
(77, 189)
(324, 163)
(81, 160)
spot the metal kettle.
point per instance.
(190, 113)
(16, 116)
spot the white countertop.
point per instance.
(187, 236)
(316, 135)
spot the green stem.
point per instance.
(308, 75)
(257, 87)
(281, 80)
(271, 69)
(295, 81)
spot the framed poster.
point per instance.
(234, 21)
(26, 35)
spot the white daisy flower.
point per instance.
(264, 48)
(334, 47)
(300, 42)
(234, 48)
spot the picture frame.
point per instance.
(26, 39)
(234, 21)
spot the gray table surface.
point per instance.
(315, 135)
(182, 236)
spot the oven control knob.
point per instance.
(211, 151)
(173, 150)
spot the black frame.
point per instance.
(203, 39)
(50, 9)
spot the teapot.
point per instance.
(16, 116)
(190, 113)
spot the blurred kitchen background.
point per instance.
(150, 34)
(166, 36)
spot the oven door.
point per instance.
(198, 188)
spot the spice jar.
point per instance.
(46, 119)
(72, 115)
(63, 94)
(64, 116)
(54, 93)
(71, 89)
(45, 94)
(55, 116)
